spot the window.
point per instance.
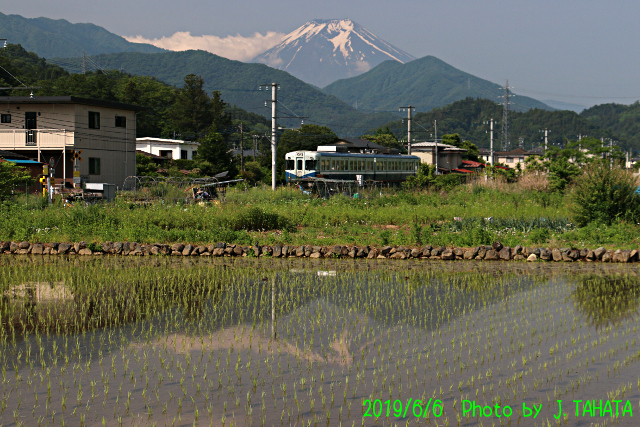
(5, 118)
(310, 165)
(299, 164)
(121, 122)
(509, 159)
(94, 166)
(184, 155)
(166, 153)
(290, 165)
(94, 120)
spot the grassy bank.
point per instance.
(469, 215)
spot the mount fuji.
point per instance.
(323, 51)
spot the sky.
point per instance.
(580, 52)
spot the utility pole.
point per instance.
(490, 123)
(546, 138)
(409, 114)
(435, 125)
(241, 148)
(274, 129)
(255, 145)
(506, 106)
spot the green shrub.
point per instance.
(385, 237)
(540, 235)
(416, 233)
(257, 219)
(605, 194)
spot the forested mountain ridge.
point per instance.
(51, 38)
(469, 118)
(22, 67)
(622, 120)
(424, 83)
(239, 82)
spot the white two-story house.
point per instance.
(168, 148)
(51, 128)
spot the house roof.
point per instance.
(518, 152)
(67, 100)
(164, 141)
(9, 155)
(461, 170)
(472, 164)
(432, 145)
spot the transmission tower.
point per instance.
(506, 144)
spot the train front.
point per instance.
(300, 165)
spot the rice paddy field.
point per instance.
(248, 342)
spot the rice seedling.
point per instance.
(122, 341)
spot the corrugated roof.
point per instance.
(472, 164)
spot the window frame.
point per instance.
(5, 118)
(94, 120)
(94, 166)
(119, 122)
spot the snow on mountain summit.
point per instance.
(322, 51)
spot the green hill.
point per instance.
(425, 83)
(622, 120)
(238, 82)
(467, 117)
(51, 38)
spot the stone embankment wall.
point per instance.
(495, 252)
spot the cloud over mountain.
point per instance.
(236, 47)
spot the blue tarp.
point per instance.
(22, 162)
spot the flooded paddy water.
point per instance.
(243, 342)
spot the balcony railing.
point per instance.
(17, 139)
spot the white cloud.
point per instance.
(271, 60)
(362, 66)
(233, 47)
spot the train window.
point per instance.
(310, 165)
(290, 164)
(299, 164)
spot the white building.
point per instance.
(170, 148)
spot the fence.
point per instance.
(172, 189)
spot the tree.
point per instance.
(385, 137)
(10, 177)
(472, 150)
(192, 111)
(213, 155)
(605, 194)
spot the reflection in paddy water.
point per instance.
(256, 342)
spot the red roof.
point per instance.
(472, 164)
(461, 170)
(501, 167)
